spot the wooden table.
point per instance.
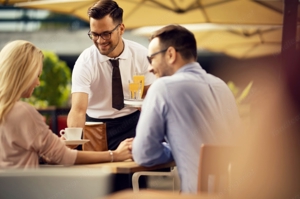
(152, 194)
(126, 167)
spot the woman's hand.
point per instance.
(123, 152)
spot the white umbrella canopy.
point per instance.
(138, 13)
(239, 41)
(242, 42)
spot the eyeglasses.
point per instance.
(152, 56)
(105, 35)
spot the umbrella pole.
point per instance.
(289, 30)
(290, 68)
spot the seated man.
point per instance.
(186, 107)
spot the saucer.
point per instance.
(76, 142)
(135, 100)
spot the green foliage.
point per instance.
(55, 83)
(244, 93)
(244, 107)
(37, 103)
(234, 89)
(239, 95)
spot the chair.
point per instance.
(59, 183)
(96, 133)
(172, 173)
(215, 168)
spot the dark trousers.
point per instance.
(118, 129)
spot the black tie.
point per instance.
(117, 88)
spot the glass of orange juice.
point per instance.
(139, 79)
(134, 90)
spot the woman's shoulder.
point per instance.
(24, 106)
(22, 109)
(21, 115)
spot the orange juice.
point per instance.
(140, 79)
(134, 90)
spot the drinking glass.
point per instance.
(134, 89)
(139, 79)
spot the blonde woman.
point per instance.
(24, 136)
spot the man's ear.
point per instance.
(122, 29)
(171, 54)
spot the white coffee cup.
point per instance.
(71, 133)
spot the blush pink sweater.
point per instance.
(24, 137)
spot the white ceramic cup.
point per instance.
(71, 133)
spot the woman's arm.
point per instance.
(123, 152)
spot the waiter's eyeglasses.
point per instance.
(105, 35)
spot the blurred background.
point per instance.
(239, 41)
(244, 36)
(253, 45)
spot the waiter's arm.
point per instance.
(76, 117)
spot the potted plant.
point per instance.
(55, 82)
(241, 96)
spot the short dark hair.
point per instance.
(106, 7)
(180, 38)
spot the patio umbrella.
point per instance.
(244, 41)
(138, 13)
(6, 2)
(240, 41)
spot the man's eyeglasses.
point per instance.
(105, 35)
(152, 56)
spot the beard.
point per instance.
(166, 70)
(106, 48)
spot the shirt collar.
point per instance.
(126, 54)
(188, 67)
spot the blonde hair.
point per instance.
(19, 66)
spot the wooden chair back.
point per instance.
(215, 168)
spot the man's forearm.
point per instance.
(157, 153)
(76, 119)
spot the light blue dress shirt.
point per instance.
(186, 110)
